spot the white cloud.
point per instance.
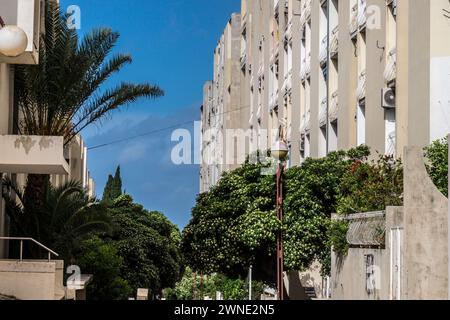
(133, 152)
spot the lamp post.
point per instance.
(13, 40)
(279, 152)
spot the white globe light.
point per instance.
(280, 150)
(13, 41)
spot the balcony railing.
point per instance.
(243, 59)
(323, 113)
(334, 42)
(333, 112)
(361, 90)
(323, 53)
(306, 12)
(390, 73)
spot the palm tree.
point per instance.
(67, 216)
(64, 94)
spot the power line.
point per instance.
(158, 130)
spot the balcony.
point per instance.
(361, 90)
(26, 14)
(273, 101)
(243, 60)
(306, 12)
(276, 5)
(287, 84)
(333, 112)
(259, 113)
(305, 123)
(32, 155)
(288, 32)
(274, 52)
(261, 69)
(323, 53)
(390, 72)
(334, 42)
(323, 113)
(305, 70)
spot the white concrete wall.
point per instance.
(32, 280)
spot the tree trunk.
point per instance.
(34, 200)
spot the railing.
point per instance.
(323, 113)
(50, 252)
(361, 90)
(334, 42)
(390, 73)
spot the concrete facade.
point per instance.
(32, 280)
(320, 69)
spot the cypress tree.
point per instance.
(113, 187)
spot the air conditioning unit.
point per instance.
(25, 14)
(388, 98)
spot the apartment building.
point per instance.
(221, 109)
(22, 155)
(336, 74)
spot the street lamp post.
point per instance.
(279, 152)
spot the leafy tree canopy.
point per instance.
(149, 245)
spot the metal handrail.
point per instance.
(50, 252)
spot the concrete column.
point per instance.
(316, 72)
(347, 80)
(375, 57)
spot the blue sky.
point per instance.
(172, 43)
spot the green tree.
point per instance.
(194, 286)
(65, 93)
(103, 261)
(437, 155)
(149, 244)
(113, 187)
(371, 186)
(234, 225)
